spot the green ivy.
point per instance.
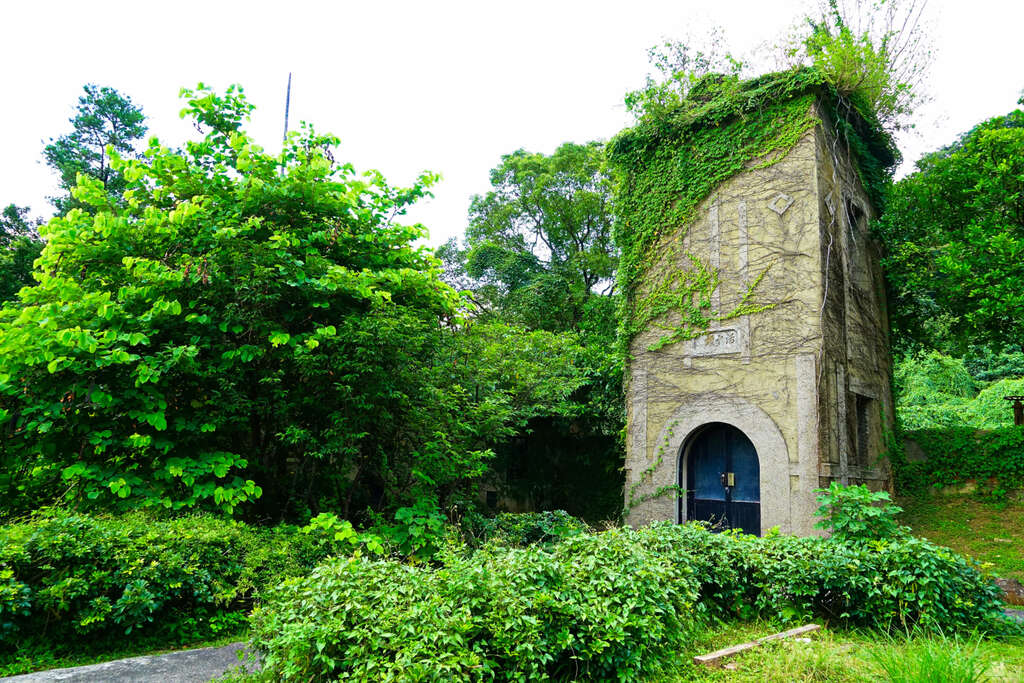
(671, 161)
(954, 455)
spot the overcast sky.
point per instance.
(412, 86)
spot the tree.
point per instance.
(954, 238)
(104, 118)
(238, 325)
(875, 53)
(539, 264)
(538, 245)
(19, 247)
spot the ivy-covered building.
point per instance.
(755, 328)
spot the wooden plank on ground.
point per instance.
(715, 658)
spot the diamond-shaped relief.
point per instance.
(781, 203)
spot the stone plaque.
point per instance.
(727, 340)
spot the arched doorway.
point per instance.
(723, 483)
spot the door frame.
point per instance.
(684, 464)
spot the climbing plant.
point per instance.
(673, 159)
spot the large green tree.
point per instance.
(538, 262)
(538, 248)
(954, 237)
(239, 324)
(104, 119)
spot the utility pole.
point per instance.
(287, 104)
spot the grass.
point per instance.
(989, 532)
(847, 657)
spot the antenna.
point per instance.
(287, 105)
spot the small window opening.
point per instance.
(863, 431)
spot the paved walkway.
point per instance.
(187, 666)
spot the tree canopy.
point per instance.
(103, 118)
(538, 245)
(954, 237)
(239, 323)
(539, 264)
(19, 247)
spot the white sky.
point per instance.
(409, 86)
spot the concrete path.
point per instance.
(187, 666)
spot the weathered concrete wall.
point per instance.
(772, 374)
(856, 362)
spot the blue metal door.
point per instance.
(724, 479)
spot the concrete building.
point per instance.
(741, 424)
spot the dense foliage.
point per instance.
(538, 264)
(953, 455)
(934, 391)
(596, 607)
(70, 581)
(954, 238)
(600, 606)
(19, 248)
(538, 247)
(521, 529)
(240, 323)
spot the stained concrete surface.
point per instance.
(187, 666)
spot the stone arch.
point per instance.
(773, 455)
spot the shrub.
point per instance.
(994, 458)
(929, 378)
(902, 582)
(937, 392)
(600, 606)
(856, 513)
(75, 579)
(521, 529)
(594, 607)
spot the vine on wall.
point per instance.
(633, 495)
(954, 455)
(669, 163)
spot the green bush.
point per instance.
(900, 582)
(994, 458)
(523, 528)
(989, 410)
(73, 579)
(922, 379)
(856, 513)
(600, 606)
(594, 607)
(937, 392)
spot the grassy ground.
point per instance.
(845, 657)
(991, 533)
